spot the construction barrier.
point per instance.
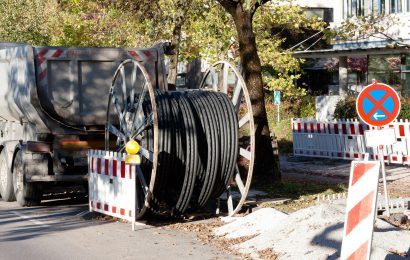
(112, 185)
(360, 210)
(344, 139)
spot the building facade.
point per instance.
(352, 64)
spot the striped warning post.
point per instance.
(360, 210)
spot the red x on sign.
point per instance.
(378, 104)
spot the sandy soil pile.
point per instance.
(311, 233)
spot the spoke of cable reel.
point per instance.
(245, 119)
(237, 93)
(214, 78)
(229, 200)
(142, 180)
(133, 81)
(121, 114)
(147, 123)
(225, 71)
(138, 110)
(112, 129)
(245, 153)
(239, 182)
(147, 154)
(124, 89)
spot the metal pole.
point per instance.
(386, 195)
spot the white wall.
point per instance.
(315, 3)
(337, 6)
(325, 107)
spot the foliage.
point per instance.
(282, 129)
(346, 108)
(373, 25)
(100, 23)
(26, 20)
(405, 109)
(307, 107)
(209, 33)
(278, 63)
(303, 108)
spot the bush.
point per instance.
(405, 109)
(346, 108)
(307, 107)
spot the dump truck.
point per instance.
(53, 103)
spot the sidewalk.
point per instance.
(337, 171)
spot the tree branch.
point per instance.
(229, 5)
(256, 4)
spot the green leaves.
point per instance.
(280, 68)
(25, 21)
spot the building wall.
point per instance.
(315, 3)
(397, 26)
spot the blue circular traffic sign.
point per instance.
(378, 104)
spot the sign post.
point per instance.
(276, 101)
(379, 105)
(380, 138)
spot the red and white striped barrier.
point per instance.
(112, 185)
(344, 139)
(360, 210)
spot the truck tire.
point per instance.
(27, 194)
(6, 178)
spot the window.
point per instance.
(386, 69)
(395, 6)
(325, 13)
(358, 7)
(366, 7)
(381, 6)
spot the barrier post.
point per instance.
(386, 195)
(360, 210)
(134, 198)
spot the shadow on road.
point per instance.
(325, 239)
(51, 216)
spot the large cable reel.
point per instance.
(193, 146)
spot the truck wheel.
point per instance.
(27, 194)
(6, 178)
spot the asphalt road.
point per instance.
(59, 229)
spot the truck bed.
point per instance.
(61, 89)
(73, 83)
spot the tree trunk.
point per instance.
(176, 39)
(266, 167)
